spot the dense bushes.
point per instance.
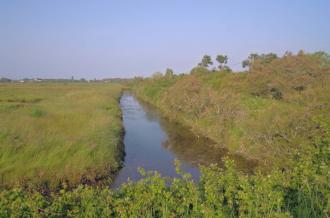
(263, 114)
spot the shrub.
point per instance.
(37, 113)
(199, 70)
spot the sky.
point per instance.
(107, 39)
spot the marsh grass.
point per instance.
(50, 133)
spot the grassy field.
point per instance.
(50, 133)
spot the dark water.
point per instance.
(153, 143)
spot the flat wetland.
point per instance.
(54, 132)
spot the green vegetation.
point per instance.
(277, 112)
(302, 191)
(266, 113)
(52, 133)
(222, 60)
(206, 61)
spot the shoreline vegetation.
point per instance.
(276, 112)
(265, 114)
(301, 192)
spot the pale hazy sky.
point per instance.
(102, 39)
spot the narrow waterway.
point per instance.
(153, 143)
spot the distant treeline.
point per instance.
(82, 80)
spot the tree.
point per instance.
(252, 57)
(226, 68)
(169, 73)
(245, 63)
(288, 54)
(3, 79)
(199, 70)
(222, 59)
(206, 61)
(157, 75)
(267, 58)
(261, 59)
(300, 53)
(323, 57)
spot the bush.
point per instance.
(199, 70)
(37, 113)
(276, 93)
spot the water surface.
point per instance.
(153, 143)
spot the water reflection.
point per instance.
(153, 142)
(196, 150)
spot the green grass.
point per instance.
(255, 102)
(50, 133)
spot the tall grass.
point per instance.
(50, 133)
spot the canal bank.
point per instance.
(153, 142)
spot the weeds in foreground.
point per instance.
(300, 192)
